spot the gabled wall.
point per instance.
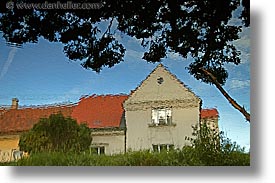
(170, 89)
(160, 89)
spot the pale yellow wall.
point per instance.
(7, 143)
(172, 94)
(114, 142)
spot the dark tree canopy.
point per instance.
(196, 28)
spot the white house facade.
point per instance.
(160, 113)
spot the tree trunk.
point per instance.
(226, 95)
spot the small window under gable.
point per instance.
(162, 116)
(160, 80)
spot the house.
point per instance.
(15, 120)
(157, 115)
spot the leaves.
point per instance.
(210, 147)
(56, 133)
(190, 28)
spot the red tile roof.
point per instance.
(209, 113)
(97, 111)
(18, 120)
(100, 111)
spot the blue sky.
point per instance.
(39, 74)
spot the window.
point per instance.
(163, 147)
(161, 116)
(160, 80)
(98, 150)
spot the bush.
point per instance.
(212, 148)
(56, 133)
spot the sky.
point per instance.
(40, 74)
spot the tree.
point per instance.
(196, 28)
(212, 148)
(56, 133)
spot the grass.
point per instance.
(184, 157)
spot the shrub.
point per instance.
(212, 148)
(56, 133)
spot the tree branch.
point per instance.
(226, 95)
(108, 28)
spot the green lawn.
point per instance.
(185, 157)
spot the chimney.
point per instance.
(14, 104)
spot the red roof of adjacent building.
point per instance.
(100, 111)
(209, 113)
(18, 120)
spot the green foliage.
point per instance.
(212, 148)
(56, 133)
(200, 29)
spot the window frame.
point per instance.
(99, 150)
(162, 147)
(156, 116)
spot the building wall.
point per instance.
(141, 134)
(7, 143)
(212, 123)
(151, 94)
(113, 141)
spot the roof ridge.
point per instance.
(212, 108)
(102, 95)
(46, 106)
